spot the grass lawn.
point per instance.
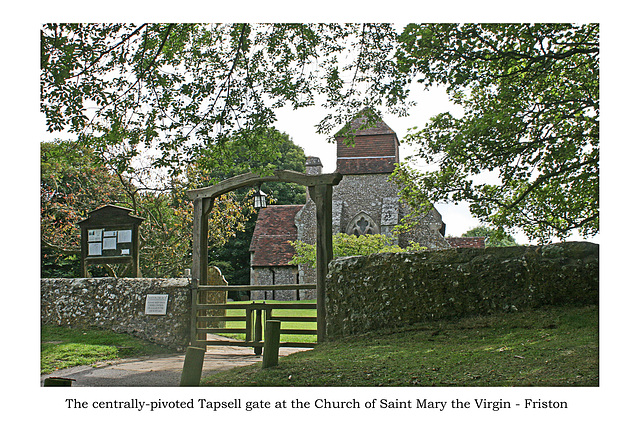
(545, 347)
(283, 325)
(62, 347)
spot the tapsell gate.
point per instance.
(202, 321)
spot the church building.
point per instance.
(364, 202)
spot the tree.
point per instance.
(233, 257)
(350, 245)
(494, 237)
(185, 88)
(166, 233)
(283, 153)
(75, 181)
(530, 96)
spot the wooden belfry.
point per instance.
(320, 190)
(110, 236)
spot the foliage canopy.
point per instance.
(345, 245)
(524, 154)
(530, 95)
(184, 88)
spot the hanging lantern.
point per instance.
(259, 199)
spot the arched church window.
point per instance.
(362, 224)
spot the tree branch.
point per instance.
(227, 80)
(95, 61)
(543, 178)
(64, 250)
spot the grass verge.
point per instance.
(284, 325)
(544, 347)
(63, 347)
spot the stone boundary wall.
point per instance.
(118, 304)
(393, 290)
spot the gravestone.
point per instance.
(215, 277)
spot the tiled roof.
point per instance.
(466, 242)
(380, 128)
(275, 227)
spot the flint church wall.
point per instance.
(374, 292)
(118, 304)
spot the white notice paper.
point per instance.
(94, 235)
(124, 236)
(95, 249)
(109, 243)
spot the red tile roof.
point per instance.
(380, 128)
(466, 242)
(275, 227)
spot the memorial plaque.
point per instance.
(156, 304)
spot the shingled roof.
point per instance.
(359, 121)
(275, 228)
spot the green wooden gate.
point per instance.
(212, 318)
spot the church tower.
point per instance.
(365, 201)
(374, 149)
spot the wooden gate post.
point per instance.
(321, 195)
(271, 344)
(201, 209)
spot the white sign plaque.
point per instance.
(156, 304)
(95, 235)
(124, 236)
(95, 249)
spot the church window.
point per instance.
(362, 224)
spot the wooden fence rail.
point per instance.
(255, 317)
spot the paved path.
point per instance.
(158, 371)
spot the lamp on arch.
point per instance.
(259, 199)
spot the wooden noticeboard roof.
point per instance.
(111, 215)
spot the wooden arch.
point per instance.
(320, 190)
